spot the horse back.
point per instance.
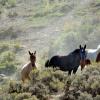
(69, 61)
(27, 67)
(55, 61)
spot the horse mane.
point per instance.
(75, 51)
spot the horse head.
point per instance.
(87, 62)
(82, 56)
(32, 57)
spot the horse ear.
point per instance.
(34, 52)
(29, 52)
(80, 46)
(85, 46)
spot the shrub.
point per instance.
(7, 56)
(15, 87)
(3, 2)
(6, 96)
(85, 96)
(4, 47)
(7, 64)
(40, 90)
(56, 86)
(22, 96)
(34, 76)
(8, 33)
(12, 14)
(32, 98)
(18, 87)
(12, 3)
(8, 61)
(17, 47)
(54, 80)
(97, 97)
(9, 3)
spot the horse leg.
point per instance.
(69, 72)
(75, 70)
(24, 77)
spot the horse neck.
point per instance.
(33, 64)
(77, 56)
(26, 65)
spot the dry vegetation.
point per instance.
(49, 27)
(47, 84)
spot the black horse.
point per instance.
(69, 62)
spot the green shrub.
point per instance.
(85, 96)
(11, 47)
(32, 98)
(10, 3)
(4, 47)
(15, 87)
(3, 2)
(8, 61)
(44, 83)
(8, 33)
(7, 56)
(22, 96)
(34, 76)
(56, 86)
(40, 90)
(18, 87)
(7, 64)
(12, 14)
(6, 96)
(97, 97)
(17, 47)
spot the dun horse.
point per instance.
(69, 62)
(27, 68)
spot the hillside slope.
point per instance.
(50, 27)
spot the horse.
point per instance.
(27, 68)
(98, 57)
(69, 62)
(93, 53)
(87, 62)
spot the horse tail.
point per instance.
(47, 63)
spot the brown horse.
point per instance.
(87, 62)
(93, 55)
(98, 57)
(27, 68)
